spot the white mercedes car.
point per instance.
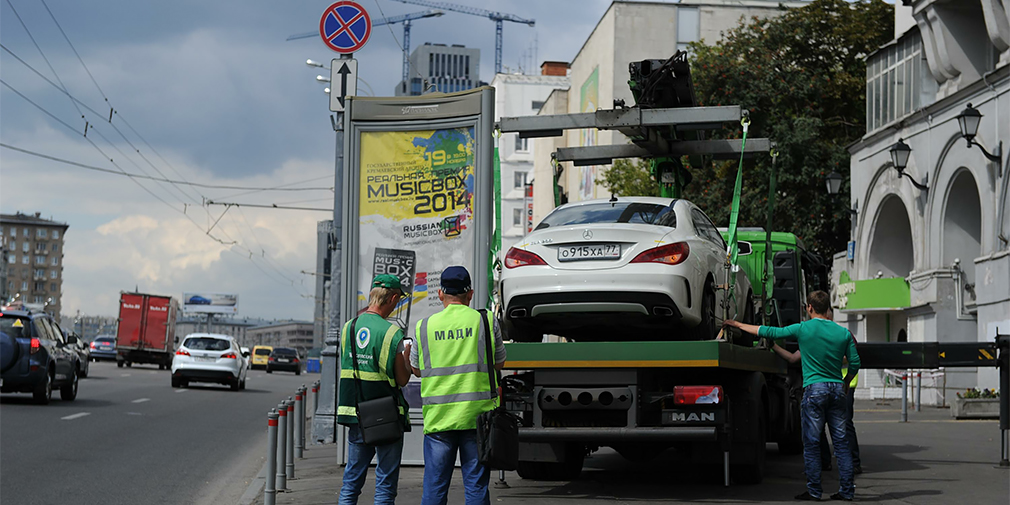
(634, 268)
(209, 357)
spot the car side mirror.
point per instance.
(744, 248)
(71, 339)
(245, 354)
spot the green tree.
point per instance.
(630, 177)
(802, 76)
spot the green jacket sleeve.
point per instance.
(774, 333)
(853, 357)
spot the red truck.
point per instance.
(146, 331)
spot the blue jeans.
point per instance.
(850, 435)
(359, 456)
(823, 404)
(440, 461)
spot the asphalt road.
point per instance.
(130, 438)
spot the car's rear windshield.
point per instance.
(17, 327)
(616, 212)
(262, 352)
(284, 352)
(207, 344)
(105, 340)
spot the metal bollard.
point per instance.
(270, 489)
(289, 461)
(299, 421)
(904, 396)
(303, 417)
(315, 397)
(918, 391)
(282, 426)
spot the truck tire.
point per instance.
(43, 391)
(68, 392)
(570, 469)
(752, 472)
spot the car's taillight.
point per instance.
(670, 254)
(92, 345)
(230, 355)
(520, 258)
(697, 395)
(182, 352)
(271, 358)
(35, 345)
(296, 360)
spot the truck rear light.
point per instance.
(520, 258)
(182, 352)
(697, 395)
(35, 345)
(670, 254)
(230, 355)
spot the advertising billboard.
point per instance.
(416, 179)
(210, 303)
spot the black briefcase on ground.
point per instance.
(379, 418)
(497, 429)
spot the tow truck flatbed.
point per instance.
(692, 354)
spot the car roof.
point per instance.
(211, 335)
(625, 199)
(285, 349)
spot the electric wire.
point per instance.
(397, 41)
(148, 177)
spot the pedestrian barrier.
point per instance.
(286, 440)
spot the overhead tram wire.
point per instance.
(109, 103)
(148, 177)
(281, 187)
(264, 256)
(397, 41)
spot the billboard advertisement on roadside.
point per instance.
(210, 303)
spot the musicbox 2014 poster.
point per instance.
(415, 213)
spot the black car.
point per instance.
(83, 351)
(35, 357)
(284, 359)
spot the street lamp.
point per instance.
(314, 64)
(899, 159)
(968, 120)
(834, 181)
(322, 79)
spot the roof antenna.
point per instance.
(613, 199)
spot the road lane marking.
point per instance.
(134, 414)
(181, 390)
(75, 416)
(141, 400)
(124, 375)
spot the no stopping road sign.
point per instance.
(345, 27)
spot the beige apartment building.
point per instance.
(34, 260)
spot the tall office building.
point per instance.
(448, 68)
(34, 260)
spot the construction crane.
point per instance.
(497, 17)
(391, 20)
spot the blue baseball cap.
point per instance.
(455, 280)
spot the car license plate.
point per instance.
(283, 360)
(589, 252)
(203, 358)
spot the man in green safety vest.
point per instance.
(382, 369)
(449, 355)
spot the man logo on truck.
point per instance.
(694, 417)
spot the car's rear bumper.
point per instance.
(16, 382)
(109, 355)
(284, 367)
(205, 375)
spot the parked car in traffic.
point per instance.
(103, 347)
(209, 357)
(284, 359)
(35, 357)
(261, 356)
(631, 267)
(83, 351)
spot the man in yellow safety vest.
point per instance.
(449, 355)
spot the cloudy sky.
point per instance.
(209, 93)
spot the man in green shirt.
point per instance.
(823, 345)
(382, 370)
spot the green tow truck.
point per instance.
(718, 402)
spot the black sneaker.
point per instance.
(806, 496)
(857, 470)
(826, 468)
(838, 496)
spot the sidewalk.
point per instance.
(932, 459)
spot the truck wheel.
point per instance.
(706, 329)
(753, 472)
(69, 392)
(43, 391)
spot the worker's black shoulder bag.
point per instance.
(378, 419)
(497, 429)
